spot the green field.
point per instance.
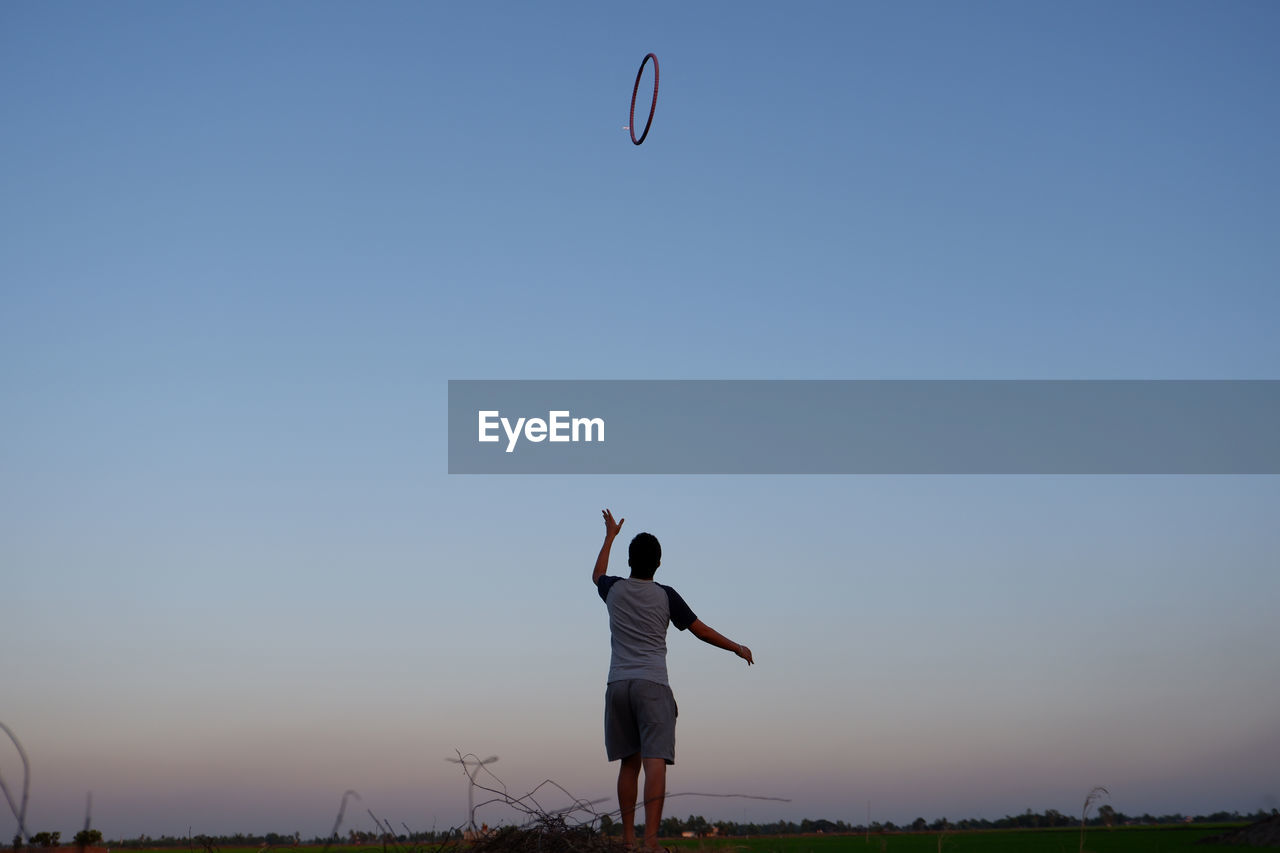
(1138, 839)
(1143, 839)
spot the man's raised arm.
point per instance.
(707, 634)
(611, 529)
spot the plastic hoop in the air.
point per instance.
(652, 106)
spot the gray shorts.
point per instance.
(640, 716)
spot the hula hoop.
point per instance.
(652, 106)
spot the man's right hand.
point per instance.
(611, 527)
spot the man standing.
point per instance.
(639, 708)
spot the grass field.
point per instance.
(1154, 839)
(1138, 839)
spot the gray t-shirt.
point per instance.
(639, 611)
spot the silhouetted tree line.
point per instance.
(1051, 818)
(671, 828)
(214, 843)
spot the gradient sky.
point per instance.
(243, 247)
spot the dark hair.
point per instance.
(644, 555)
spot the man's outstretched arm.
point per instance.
(707, 634)
(611, 529)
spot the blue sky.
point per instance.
(243, 248)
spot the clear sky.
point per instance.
(243, 248)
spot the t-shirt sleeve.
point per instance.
(603, 584)
(681, 616)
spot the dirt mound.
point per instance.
(1264, 833)
(550, 835)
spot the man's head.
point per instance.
(644, 556)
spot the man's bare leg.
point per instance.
(655, 791)
(628, 787)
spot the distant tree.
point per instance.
(46, 839)
(88, 838)
(1107, 814)
(919, 824)
(607, 826)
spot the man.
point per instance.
(639, 708)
